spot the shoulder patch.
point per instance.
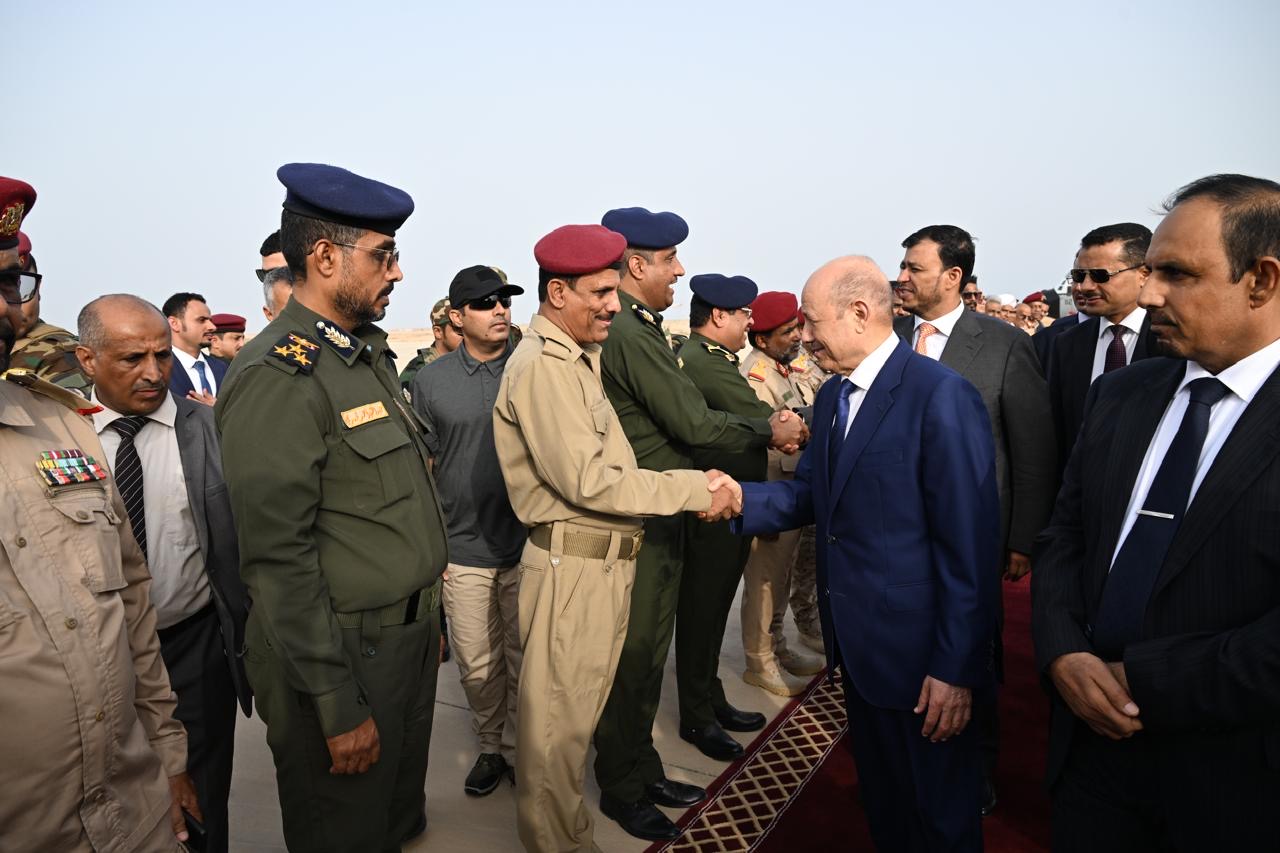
(298, 351)
(759, 371)
(73, 401)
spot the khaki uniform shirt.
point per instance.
(334, 506)
(87, 732)
(563, 453)
(779, 387)
(50, 353)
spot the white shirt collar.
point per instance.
(1133, 322)
(188, 362)
(1245, 377)
(167, 414)
(944, 324)
(866, 372)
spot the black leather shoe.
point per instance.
(733, 720)
(489, 770)
(418, 828)
(988, 796)
(641, 819)
(713, 742)
(674, 795)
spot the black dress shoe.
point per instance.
(418, 828)
(674, 795)
(733, 720)
(988, 796)
(641, 818)
(489, 770)
(713, 742)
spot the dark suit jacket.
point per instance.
(999, 361)
(1042, 341)
(1070, 368)
(906, 530)
(180, 383)
(1210, 644)
(211, 509)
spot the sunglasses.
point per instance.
(971, 294)
(19, 287)
(489, 302)
(1098, 276)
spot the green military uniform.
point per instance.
(664, 417)
(715, 554)
(429, 353)
(342, 544)
(50, 353)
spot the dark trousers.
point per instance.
(985, 720)
(375, 810)
(200, 675)
(626, 760)
(1151, 794)
(920, 797)
(713, 563)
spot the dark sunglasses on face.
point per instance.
(19, 287)
(1098, 276)
(972, 294)
(489, 302)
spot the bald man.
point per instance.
(908, 610)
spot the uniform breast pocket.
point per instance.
(600, 415)
(383, 463)
(93, 535)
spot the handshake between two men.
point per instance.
(790, 433)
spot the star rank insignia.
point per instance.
(731, 357)
(297, 350)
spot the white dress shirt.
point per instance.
(189, 365)
(1243, 378)
(1132, 326)
(864, 374)
(179, 585)
(937, 342)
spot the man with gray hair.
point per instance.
(277, 287)
(899, 477)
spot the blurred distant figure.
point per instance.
(1025, 318)
(447, 337)
(228, 336)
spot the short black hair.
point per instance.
(176, 305)
(1250, 216)
(271, 245)
(299, 233)
(972, 279)
(545, 276)
(955, 246)
(1136, 239)
(699, 312)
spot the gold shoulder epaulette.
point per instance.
(70, 399)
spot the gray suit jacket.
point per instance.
(1001, 363)
(211, 508)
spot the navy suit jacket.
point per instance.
(908, 528)
(180, 383)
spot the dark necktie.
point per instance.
(129, 475)
(1116, 355)
(840, 425)
(204, 378)
(1133, 576)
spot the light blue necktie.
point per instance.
(204, 379)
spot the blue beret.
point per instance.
(645, 230)
(724, 291)
(336, 195)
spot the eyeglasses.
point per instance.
(19, 287)
(1098, 276)
(971, 294)
(489, 302)
(261, 274)
(390, 257)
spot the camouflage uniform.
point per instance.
(428, 354)
(804, 578)
(50, 353)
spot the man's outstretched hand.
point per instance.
(789, 431)
(726, 497)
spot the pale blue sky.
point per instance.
(785, 135)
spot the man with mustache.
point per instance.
(342, 538)
(1156, 609)
(455, 394)
(195, 376)
(164, 452)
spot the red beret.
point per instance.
(16, 200)
(1035, 297)
(773, 308)
(228, 322)
(24, 249)
(579, 249)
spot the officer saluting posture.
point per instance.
(342, 540)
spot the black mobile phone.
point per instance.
(196, 835)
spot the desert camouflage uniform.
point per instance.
(50, 353)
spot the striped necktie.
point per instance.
(129, 475)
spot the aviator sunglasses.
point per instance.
(1098, 276)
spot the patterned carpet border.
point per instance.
(745, 803)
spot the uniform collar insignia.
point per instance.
(340, 341)
(732, 357)
(298, 350)
(645, 314)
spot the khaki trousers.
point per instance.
(485, 632)
(766, 583)
(573, 620)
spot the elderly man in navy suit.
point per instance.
(900, 479)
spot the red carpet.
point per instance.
(797, 790)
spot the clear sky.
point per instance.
(786, 134)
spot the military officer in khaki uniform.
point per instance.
(771, 663)
(93, 757)
(572, 479)
(719, 318)
(46, 350)
(342, 539)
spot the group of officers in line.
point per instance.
(570, 500)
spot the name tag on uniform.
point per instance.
(364, 414)
(66, 467)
